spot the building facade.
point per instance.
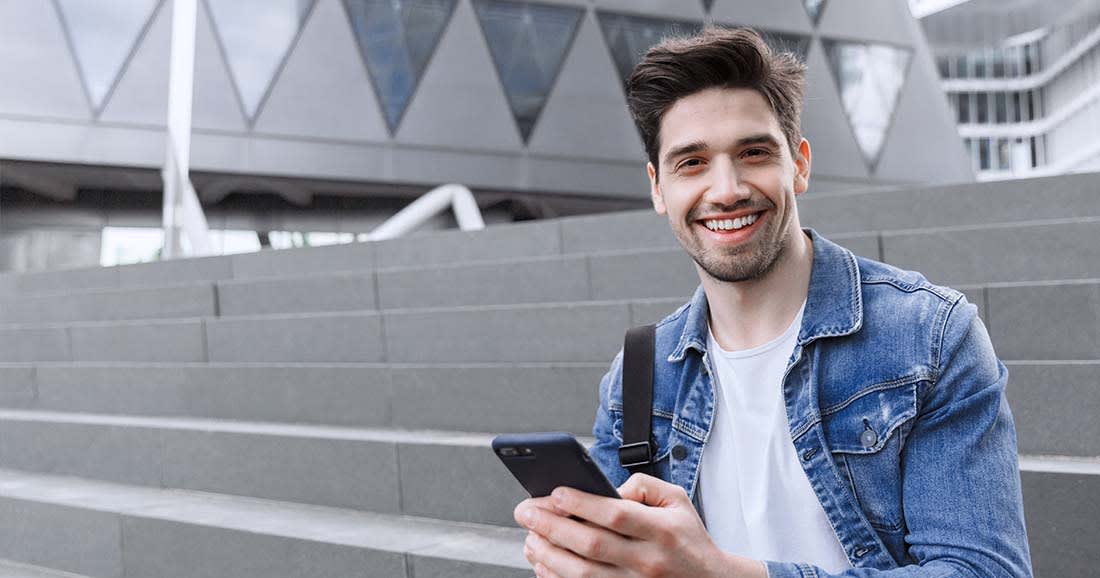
(343, 110)
(1023, 81)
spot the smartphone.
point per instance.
(544, 461)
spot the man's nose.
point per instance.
(726, 187)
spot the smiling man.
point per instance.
(826, 415)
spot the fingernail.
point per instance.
(529, 518)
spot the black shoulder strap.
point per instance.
(636, 453)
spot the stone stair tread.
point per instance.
(13, 569)
(387, 532)
(206, 425)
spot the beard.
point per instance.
(747, 262)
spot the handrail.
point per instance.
(435, 201)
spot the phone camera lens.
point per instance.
(508, 452)
(527, 451)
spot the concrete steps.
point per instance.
(327, 411)
(109, 530)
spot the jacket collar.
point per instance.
(834, 305)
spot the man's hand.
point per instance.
(653, 531)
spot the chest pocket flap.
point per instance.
(864, 423)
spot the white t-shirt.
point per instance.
(755, 496)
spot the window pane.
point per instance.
(1004, 154)
(528, 43)
(256, 35)
(983, 154)
(964, 107)
(983, 107)
(870, 78)
(629, 36)
(814, 8)
(1001, 100)
(397, 38)
(102, 36)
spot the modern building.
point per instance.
(314, 120)
(1023, 80)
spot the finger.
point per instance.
(533, 504)
(625, 517)
(588, 541)
(654, 492)
(561, 562)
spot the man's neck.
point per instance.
(747, 314)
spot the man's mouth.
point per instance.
(733, 224)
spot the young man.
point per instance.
(827, 415)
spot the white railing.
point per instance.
(435, 201)
(182, 213)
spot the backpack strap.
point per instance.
(636, 453)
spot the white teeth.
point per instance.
(730, 224)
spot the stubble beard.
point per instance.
(747, 262)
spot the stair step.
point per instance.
(110, 530)
(445, 475)
(12, 569)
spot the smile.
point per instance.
(730, 224)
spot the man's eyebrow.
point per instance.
(684, 149)
(758, 139)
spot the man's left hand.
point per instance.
(653, 531)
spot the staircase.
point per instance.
(327, 411)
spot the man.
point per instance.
(827, 415)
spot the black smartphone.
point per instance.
(544, 461)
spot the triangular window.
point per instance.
(629, 36)
(397, 39)
(528, 42)
(103, 35)
(870, 78)
(814, 8)
(256, 36)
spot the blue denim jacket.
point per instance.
(933, 490)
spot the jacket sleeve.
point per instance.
(605, 451)
(961, 482)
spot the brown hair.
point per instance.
(715, 57)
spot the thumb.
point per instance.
(652, 491)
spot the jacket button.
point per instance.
(868, 438)
(679, 452)
(809, 454)
(861, 552)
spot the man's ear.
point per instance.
(655, 190)
(802, 168)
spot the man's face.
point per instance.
(728, 182)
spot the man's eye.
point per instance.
(757, 152)
(690, 163)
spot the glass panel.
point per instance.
(814, 9)
(256, 36)
(1004, 154)
(103, 35)
(397, 39)
(964, 107)
(870, 77)
(528, 43)
(1001, 108)
(1016, 112)
(983, 107)
(983, 154)
(628, 36)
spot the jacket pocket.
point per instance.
(866, 434)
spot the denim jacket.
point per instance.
(895, 403)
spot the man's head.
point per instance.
(719, 113)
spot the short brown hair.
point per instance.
(716, 57)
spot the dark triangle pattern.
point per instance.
(528, 43)
(256, 36)
(707, 5)
(102, 35)
(870, 78)
(629, 36)
(397, 39)
(814, 8)
(786, 42)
